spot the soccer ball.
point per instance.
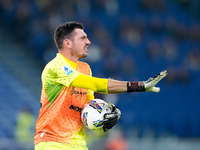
(92, 114)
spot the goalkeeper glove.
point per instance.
(110, 119)
(148, 85)
(151, 82)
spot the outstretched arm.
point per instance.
(108, 86)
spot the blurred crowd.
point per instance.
(115, 32)
(128, 38)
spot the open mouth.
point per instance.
(86, 47)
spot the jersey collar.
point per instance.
(73, 64)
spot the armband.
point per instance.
(135, 87)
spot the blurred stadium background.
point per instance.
(131, 40)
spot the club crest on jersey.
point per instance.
(67, 70)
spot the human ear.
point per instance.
(67, 43)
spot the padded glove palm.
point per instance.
(151, 82)
(111, 119)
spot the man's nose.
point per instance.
(88, 42)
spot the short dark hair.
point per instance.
(64, 31)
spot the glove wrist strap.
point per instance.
(135, 87)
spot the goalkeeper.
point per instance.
(67, 84)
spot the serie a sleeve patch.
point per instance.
(67, 70)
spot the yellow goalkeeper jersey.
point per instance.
(61, 104)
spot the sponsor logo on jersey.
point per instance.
(76, 108)
(75, 91)
(67, 70)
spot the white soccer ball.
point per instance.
(93, 112)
